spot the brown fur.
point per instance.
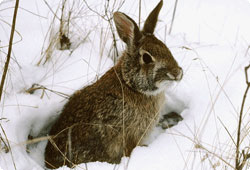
(108, 119)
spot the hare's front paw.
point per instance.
(169, 120)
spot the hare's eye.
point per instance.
(147, 58)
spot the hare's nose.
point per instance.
(177, 73)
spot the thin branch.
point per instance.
(6, 147)
(245, 158)
(247, 50)
(173, 17)
(108, 15)
(35, 87)
(25, 11)
(200, 146)
(61, 19)
(237, 159)
(102, 16)
(9, 147)
(6, 66)
(227, 131)
(139, 22)
(19, 34)
(51, 10)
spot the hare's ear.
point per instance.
(151, 21)
(127, 28)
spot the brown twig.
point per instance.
(6, 66)
(108, 15)
(245, 158)
(8, 144)
(238, 164)
(63, 32)
(35, 87)
(6, 147)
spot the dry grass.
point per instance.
(64, 29)
(6, 66)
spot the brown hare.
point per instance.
(108, 119)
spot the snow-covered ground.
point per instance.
(210, 39)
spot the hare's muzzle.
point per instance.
(176, 74)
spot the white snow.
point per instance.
(210, 40)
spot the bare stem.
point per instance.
(6, 66)
(238, 165)
(173, 16)
(9, 147)
(139, 22)
(61, 19)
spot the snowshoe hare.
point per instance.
(108, 119)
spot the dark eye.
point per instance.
(147, 58)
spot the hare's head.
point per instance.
(147, 65)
